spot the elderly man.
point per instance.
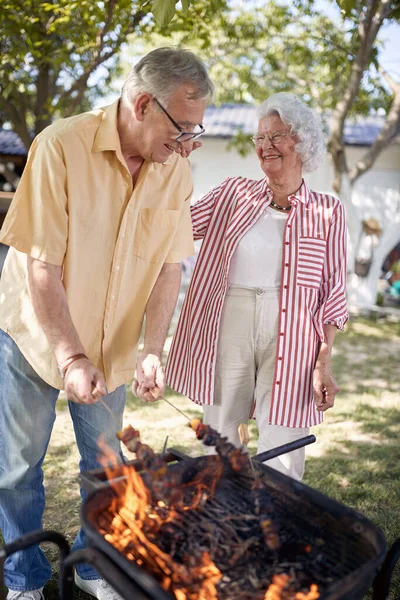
(97, 228)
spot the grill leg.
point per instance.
(381, 583)
(3, 557)
(36, 537)
(123, 584)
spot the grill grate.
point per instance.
(346, 549)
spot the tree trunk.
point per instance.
(370, 21)
(353, 220)
(43, 98)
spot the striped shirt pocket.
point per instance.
(310, 262)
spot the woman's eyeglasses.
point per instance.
(274, 138)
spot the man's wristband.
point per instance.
(62, 369)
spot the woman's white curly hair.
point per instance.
(303, 121)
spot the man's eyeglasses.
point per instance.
(275, 138)
(184, 136)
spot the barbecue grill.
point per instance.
(347, 552)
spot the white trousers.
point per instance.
(244, 374)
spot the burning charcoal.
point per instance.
(242, 551)
(284, 588)
(264, 510)
(313, 594)
(294, 551)
(171, 538)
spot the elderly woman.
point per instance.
(267, 294)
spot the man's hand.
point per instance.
(84, 383)
(150, 382)
(325, 386)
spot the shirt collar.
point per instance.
(107, 137)
(302, 194)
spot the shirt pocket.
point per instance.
(310, 262)
(155, 231)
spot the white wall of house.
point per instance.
(376, 194)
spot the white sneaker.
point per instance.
(98, 588)
(32, 595)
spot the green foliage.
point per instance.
(185, 5)
(56, 56)
(258, 50)
(255, 49)
(49, 50)
(164, 10)
(241, 143)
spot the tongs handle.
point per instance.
(289, 447)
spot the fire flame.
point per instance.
(136, 517)
(278, 590)
(136, 520)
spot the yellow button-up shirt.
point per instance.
(76, 206)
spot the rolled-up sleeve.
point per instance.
(37, 220)
(333, 306)
(202, 210)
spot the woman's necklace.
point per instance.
(280, 207)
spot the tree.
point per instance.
(332, 63)
(57, 55)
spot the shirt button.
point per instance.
(108, 326)
(286, 287)
(281, 333)
(113, 297)
(289, 225)
(283, 309)
(277, 382)
(117, 268)
(286, 243)
(279, 357)
(286, 264)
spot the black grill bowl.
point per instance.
(350, 548)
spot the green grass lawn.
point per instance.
(356, 459)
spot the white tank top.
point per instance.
(257, 260)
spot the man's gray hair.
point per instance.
(163, 70)
(303, 121)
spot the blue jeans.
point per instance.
(27, 414)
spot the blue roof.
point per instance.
(363, 131)
(225, 120)
(11, 143)
(228, 119)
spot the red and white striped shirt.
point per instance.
(312, 292)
